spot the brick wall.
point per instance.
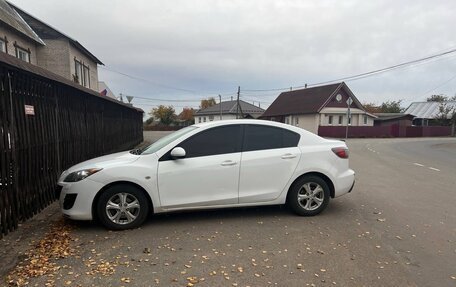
(54, 57)
(21, 41)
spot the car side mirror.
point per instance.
(177, 153)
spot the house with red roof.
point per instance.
(328, 105)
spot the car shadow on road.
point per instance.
(335, 210)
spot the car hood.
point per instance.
(115, 159)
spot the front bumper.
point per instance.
(76, 198)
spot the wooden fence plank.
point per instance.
(68, 126)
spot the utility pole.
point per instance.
(220, 101)
(237, 102)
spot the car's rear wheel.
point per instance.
(309, 195)
(122, 207)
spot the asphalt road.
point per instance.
(396, 228)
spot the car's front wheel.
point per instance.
(309, 195)
(122, 207)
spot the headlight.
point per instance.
(81, 174)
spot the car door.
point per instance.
(269, 158)
(209, 173)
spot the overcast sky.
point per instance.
(194, 49)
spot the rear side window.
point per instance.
(258, 137)
(219, 140)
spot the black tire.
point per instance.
(115, 193)
(299, 205)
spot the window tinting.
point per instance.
(219, 140)
(258, 137)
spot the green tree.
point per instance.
(187, 114)
(166, 114)
(206, 103)
(447, 110)
(371, 108)
(437, 98)
(391, 107)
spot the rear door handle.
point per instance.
(228, 163)
(288, 156)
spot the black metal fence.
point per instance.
(48, 124)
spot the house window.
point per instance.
(2, 45)
(287, 120)
(199, 119)
(296, 121)
(365, 119)
(330, 120)
(340, 120)
(77, 71)
(211, 118)
(349, 120)
(204, 119)
(22, 54)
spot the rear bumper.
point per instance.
(353, 185)
(345, 183)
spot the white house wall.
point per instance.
(210, 118)
(357, 117)
(307, 122)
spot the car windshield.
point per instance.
(167, 139)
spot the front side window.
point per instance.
(22, 54)
(257, 137)
(218, 140)
(156, 146)
(330, 120)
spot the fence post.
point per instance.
(13, 164)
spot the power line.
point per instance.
(176, 106)
(161, 85)
(440, 85)
(166, 100)
(362, 75)
(148, 81)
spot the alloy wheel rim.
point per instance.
(311, 196)
(122, 208)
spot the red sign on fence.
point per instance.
(29, 110)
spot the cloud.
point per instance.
(213, 46)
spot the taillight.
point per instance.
(341, 152)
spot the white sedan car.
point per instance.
(211, 165)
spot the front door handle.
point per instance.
(228, 163)
(288, 156)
